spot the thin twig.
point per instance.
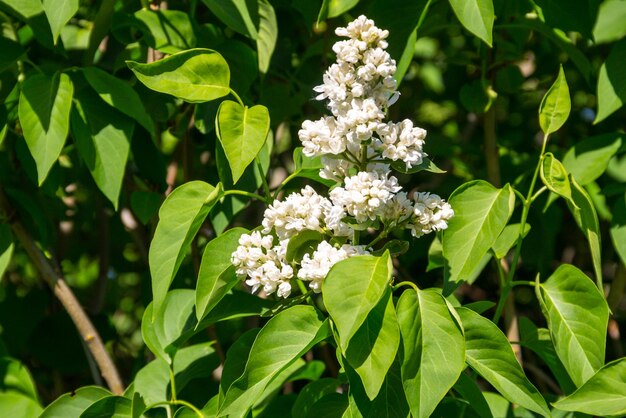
(62, 291)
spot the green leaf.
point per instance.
(11, 52)
(373, 347)
(539, 341)
(480, 214)
(588, 159)
(145, 205)
(120, 95)
(489, 353)
(195, 76)
(603, 394)
(577, 317)
(242, 131)
(109, 407)
(15, 378)
(235, 14)
(161, 330)
(304, 242)
(609, 25)
(586, 218)
(312, 393)
(508, 238)
(169, 31)
(217, 274)
(559, 14)
(611, 87)
(284, 338)
(476, 16)
(102, 137)
(236, 359)
(555, 105)
(152, 382)
(390, 402)
(6, 247)
(72, 405)
(352, 289)
(433, 353)
(44, 112)
(425, 165)
(268, 34)
(471, 392)
(32, 12)
(555, 176)
(236, 304)
(17, 405)
(194, 361)
(59, 13)
(618, 227)
(180, 218)
(334, 8)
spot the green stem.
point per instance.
(406, 283)
(247, 194)
(236, 96)
(536, 195)
(508, 285)
(284, 183)
(177, 402)
(266, 187)
(173, 384)
(522, 283)
(381, 236)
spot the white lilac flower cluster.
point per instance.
(356, 147)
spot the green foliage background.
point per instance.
(92, 140)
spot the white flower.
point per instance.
(398, 208)
(335, 168)
(401, 141)
(321, 137)
(300, 211)
(365, 195)
(315, 268)
(263, 263)
(430, 213)
(333, 218)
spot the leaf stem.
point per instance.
(406, 283)
(236, 96)
(247, 194)
(172, 383)
(508, 285)
(266, 187)
(177, 402)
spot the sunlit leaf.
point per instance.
(480, 214)
(555, 105)
(352, 289)
(102, 136)
(196, 75)
(217, 273)
(44, 112)
(180, 218)
(268, 34)
(489, 353)
(577, 317)
(58, 14)
(555, 176)
(433, 349)
(285, 337)
(603, 394)
(72, 405)
(373, 347)
(120, 95)
(611, 90)
(588, 159)
(242, 131)
(476, 16)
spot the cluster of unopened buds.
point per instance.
(356, 148)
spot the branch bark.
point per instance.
(64, 293)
